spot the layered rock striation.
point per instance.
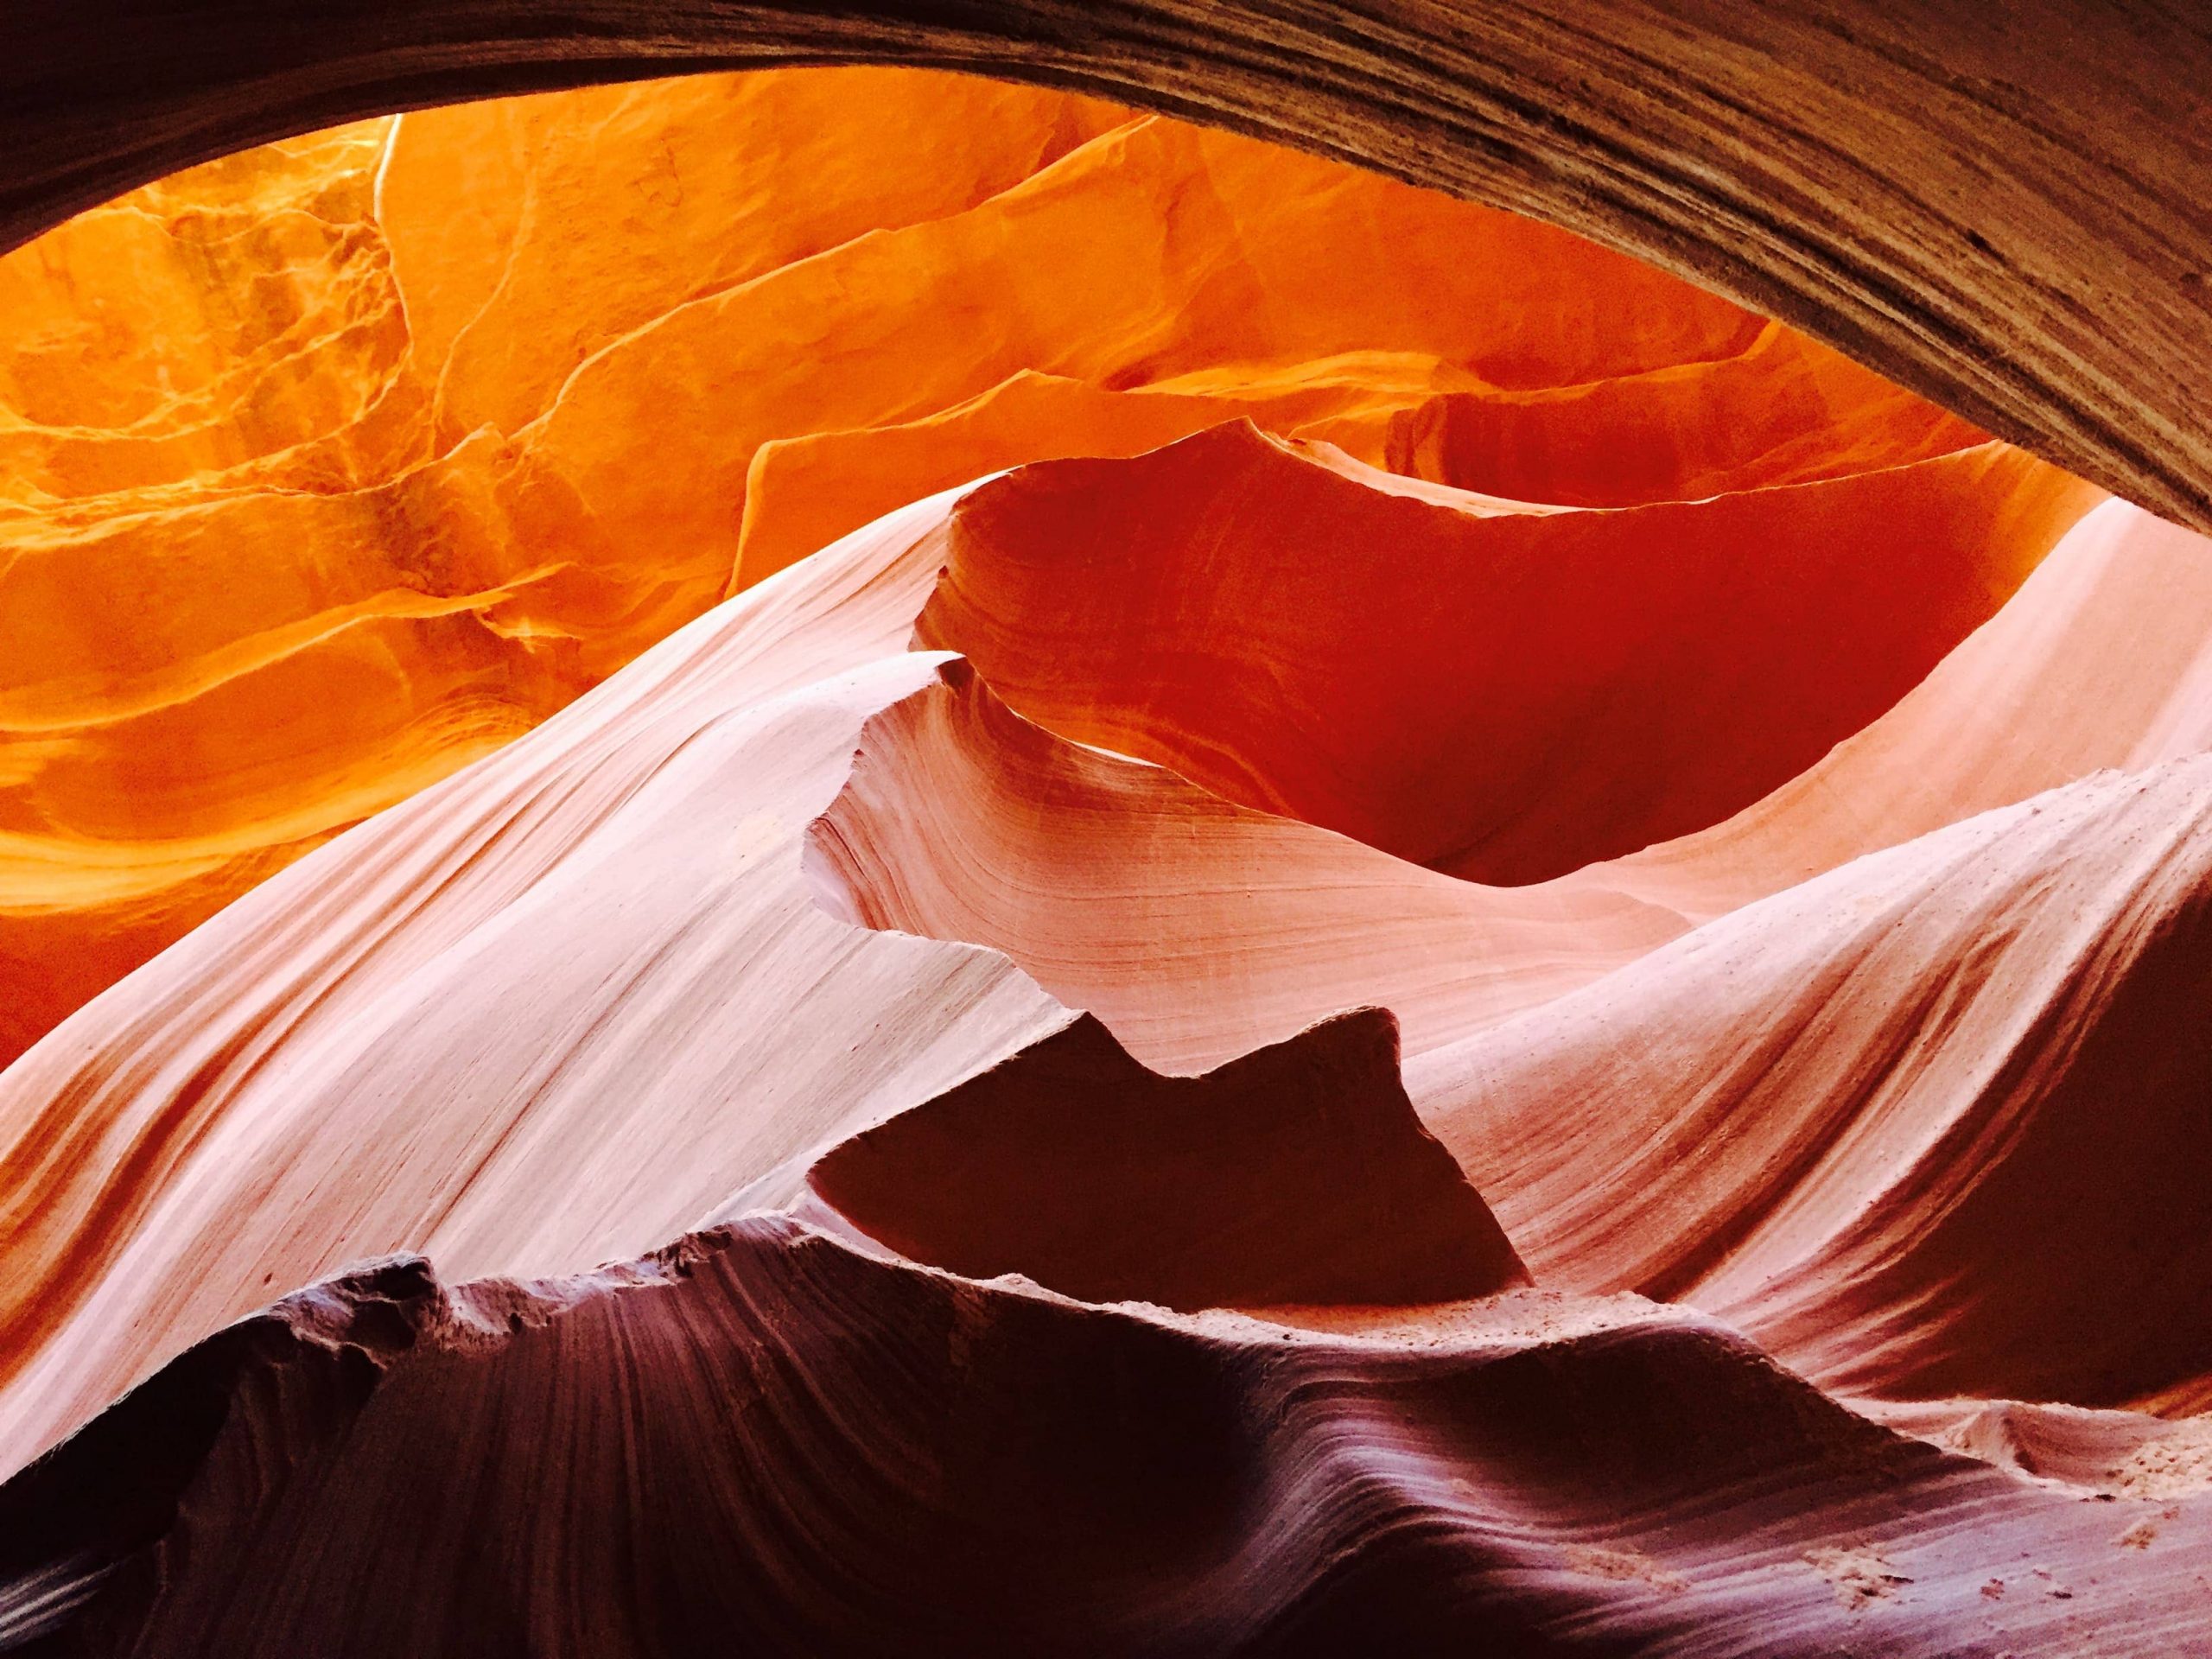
(379, 448)
(1496, 958)
(2003, 211)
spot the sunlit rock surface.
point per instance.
(1498, 962)
(1502, 693)
(328, 468)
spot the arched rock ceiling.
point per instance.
(2006, 207)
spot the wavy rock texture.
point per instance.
(1839, 1117)
(963, 821)
(400, 438)
(1495, 1498)
(1096, 1480)
(1197, 928)
(1502, 694)
(503, 1018)
(1500, 960)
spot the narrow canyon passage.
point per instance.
(856, 860)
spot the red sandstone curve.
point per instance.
(2102, 659)
(1412, 671)
(1931, 187)
(1195, 928)
(1296, 1174)
(244, 404)
(1784, 411)
(556, 1010)
(847, 608)
(962, 822)
(848, 1454)
(1931, 1124)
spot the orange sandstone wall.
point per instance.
(329, 468)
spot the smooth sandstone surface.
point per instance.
(1859, 1118)
(1520, 974)
(963, 821)
(1196, 927)
(1827, 1562)
(510, 1017)
(741, 1412)
(382, 446)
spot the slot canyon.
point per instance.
(835, 857)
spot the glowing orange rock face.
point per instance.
(329, 468)
(218, 318)
(1781, 410)
(1103, 1063)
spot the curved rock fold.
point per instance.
(860, 862)
(742, 1411)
